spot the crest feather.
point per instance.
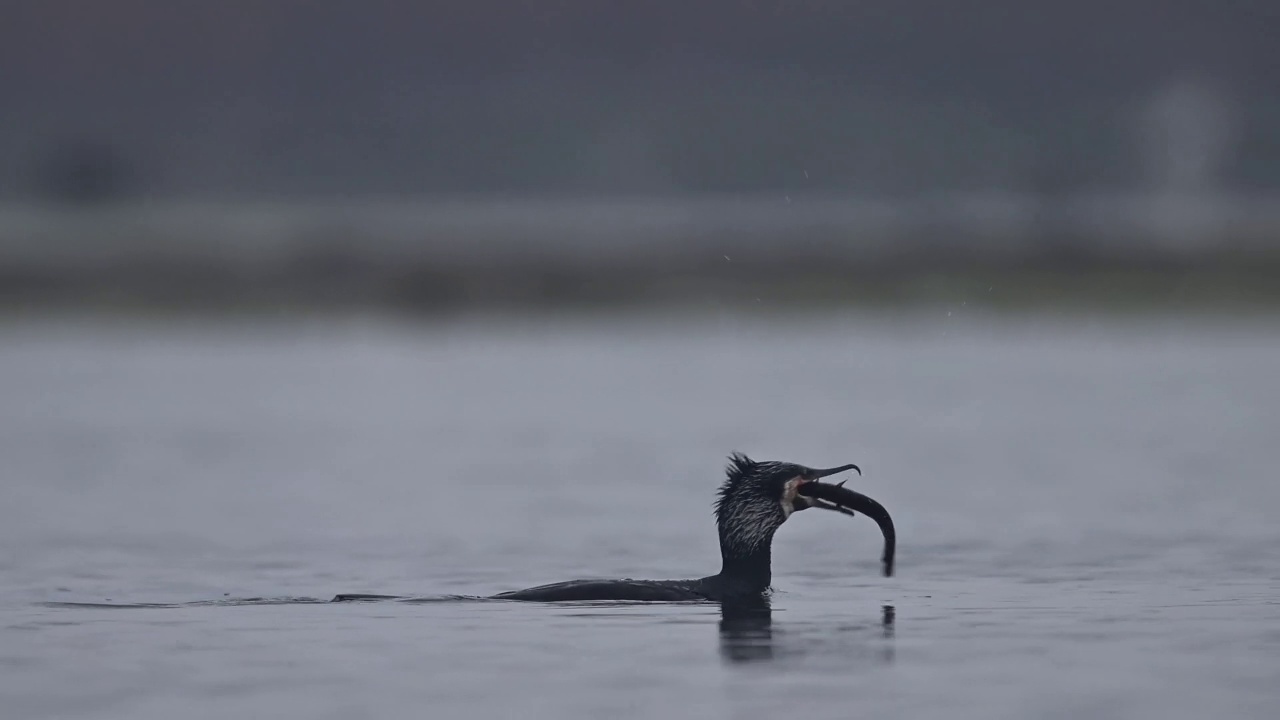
(746, 512)
(740, 466)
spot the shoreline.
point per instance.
(445, 255)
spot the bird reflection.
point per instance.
(746, 630)
(747, 633)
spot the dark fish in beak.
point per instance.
(842, 499)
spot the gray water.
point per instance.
(1086, 509)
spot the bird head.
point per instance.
(758, 496)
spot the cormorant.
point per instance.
(754, 501)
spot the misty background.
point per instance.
(465, 153)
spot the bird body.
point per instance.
(753, 502)
(626, 589)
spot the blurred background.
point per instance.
(449, 154)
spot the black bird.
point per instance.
(754, 501)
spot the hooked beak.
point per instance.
(812, 475)
(841, 499)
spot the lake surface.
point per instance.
(1086, 507)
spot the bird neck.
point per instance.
(747, 568)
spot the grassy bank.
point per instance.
(431, 257)
(1248, 290)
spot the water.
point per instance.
(1085, 506)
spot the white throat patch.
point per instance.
(789, 497)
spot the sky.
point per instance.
(449, 96)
